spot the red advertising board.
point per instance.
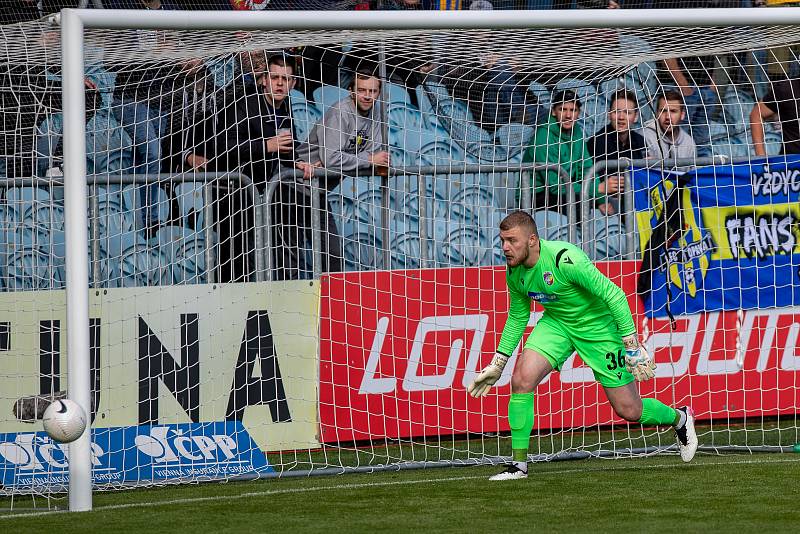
(398, 348)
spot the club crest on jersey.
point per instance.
(548, 278)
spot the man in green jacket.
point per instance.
(559, 141)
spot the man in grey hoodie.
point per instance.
(663, 136)
(347, 140)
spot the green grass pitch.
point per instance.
(729, 493)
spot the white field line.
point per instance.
(378, 484)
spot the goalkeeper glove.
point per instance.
(638, 361)
(488, 377)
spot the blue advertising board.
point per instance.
(725, 237)
(191, 451)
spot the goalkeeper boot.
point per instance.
(514, 471)
(687, 438)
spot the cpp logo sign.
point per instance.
(166, 444)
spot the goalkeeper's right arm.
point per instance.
(519, 312)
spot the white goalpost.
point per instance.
(210, 376)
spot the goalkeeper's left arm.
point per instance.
(637, 360)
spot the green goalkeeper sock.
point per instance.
(655, 412)
(520, 419)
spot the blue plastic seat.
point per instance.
(305, 116)
(191, 203)
(405, 249)
(30, 268)
(441, 153)
(132, 262)
(465, 246)
(361, 249)
(397, 94)
(116, 209)
(552, 225)
(327, 95)
(33, 205)
(184, 250)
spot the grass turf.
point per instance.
(742, 493)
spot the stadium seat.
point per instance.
(116, 208)
(473, 201)
(606, 234)
(184, 251)
(131, 261)
(34, 206)
(305, 115)
(406, 252)
(368, 205)
(191, 205)
(327, 95)
(541, 92)
(465, 246)
(397, 94)
(404, 117)
(441, 153)
(551, 225)
(361, 248)
(31, 268)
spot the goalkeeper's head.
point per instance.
(520, 239)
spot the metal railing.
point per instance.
(292, 176)
(210, 181)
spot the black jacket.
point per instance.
(606, 146)
(244, 125)
(191, 121)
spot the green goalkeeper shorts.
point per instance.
(603, 352)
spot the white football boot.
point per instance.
(512, 472)
(687, 438)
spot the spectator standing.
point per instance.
(617, 140)
(559, 141)
(254, 137)
(348, 140)
(780, 102)
(663, 136)
(700, 98)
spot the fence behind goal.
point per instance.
(250, 316)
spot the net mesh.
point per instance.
(220, 346)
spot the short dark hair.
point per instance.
(623, 94)
(562, 97)
(669, 96)
(519, 218)
(281, 60)
(363, 74)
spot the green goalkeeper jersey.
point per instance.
(570, 289)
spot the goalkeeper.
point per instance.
(583, 311)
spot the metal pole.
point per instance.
(384, 109)
(77, 260)
(95, 227)
(316, 231)
(208, 227)
(272, 185)
(444, 20)
(630, 231)
(423, 221)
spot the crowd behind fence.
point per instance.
(177, 196)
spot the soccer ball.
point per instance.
(64, 421)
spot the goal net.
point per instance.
(294, 262)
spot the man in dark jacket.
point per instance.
(617, 140)
(254, 137)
